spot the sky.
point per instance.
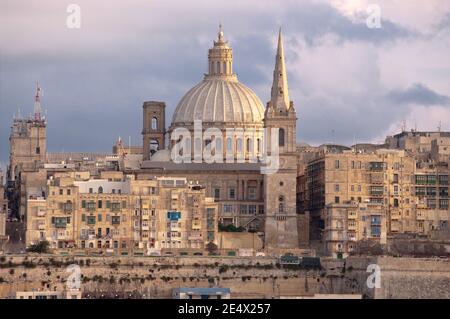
(349, 83)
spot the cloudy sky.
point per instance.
(348, 82)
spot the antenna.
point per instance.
(129, 144)
(404, 126)
(439, 126)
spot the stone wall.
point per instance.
(264, 277)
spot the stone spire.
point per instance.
(280, 93)
(37, 103)
(220, 58)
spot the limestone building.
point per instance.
(223, 117)
(117, 214)
(349, 224)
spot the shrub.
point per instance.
(223, 268)
(41, 248)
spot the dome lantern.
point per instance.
(220, 57)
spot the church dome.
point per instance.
(220, 97)
(216, 99)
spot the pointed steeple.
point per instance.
(280, 93)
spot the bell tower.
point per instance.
(280, 187)
(154, 127)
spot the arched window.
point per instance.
(218, 68)
(281, 204)
(100, 190)
(258, 144)
(249, 145)
(225, 67)
(154, 124)
(239, 145)
(281, 137)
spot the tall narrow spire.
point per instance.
(280, 93)
(37, 103)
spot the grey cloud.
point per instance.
(418, 94)
(316, 20)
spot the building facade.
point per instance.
(117, 214)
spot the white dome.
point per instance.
(219, 99)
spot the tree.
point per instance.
(212, 248)
(42, 247)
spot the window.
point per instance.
(228, 208)
(336, 187)
(60, 191)
(154, 124)
(249, 145)
(443, 203)
(100, 190)
(395, 202)
(395, 178)
(251, 193)
(281, 137)
(217, 193)
(99, 217)
(91, 190)
(261, 209)
(232, 193)
(336, 164)
(431, 203)
(100, 204)
(252, 209)
(336, 200)
(281, 204)
(421, 179)
(239, 145)
(243, 209)
(359, 188)
(352, 188)
(376, 166)
(443, 179)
